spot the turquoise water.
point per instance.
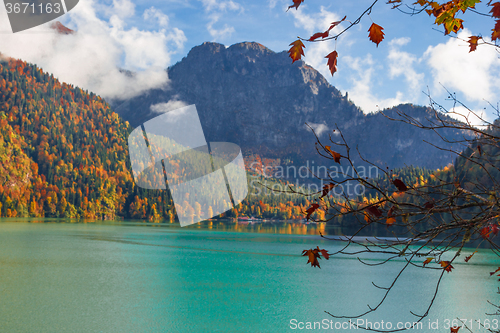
(128, 277)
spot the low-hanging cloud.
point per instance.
(94, 57)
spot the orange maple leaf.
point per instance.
(332, 62)
(336, 156)
(495, 11)
(296, 51)
(390, 221)
(313, 256)
(473, 43)
(446, 265)
(296, 4)
(376, 34)
(428, 260)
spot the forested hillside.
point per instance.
(63, 153)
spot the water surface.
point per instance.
(131, 277)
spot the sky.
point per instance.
(414, 60)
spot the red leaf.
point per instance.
(336, 23)
(391, 211)
(296, 51)
(496, 31)
(454, 329)
(327, 188)
(296, 4)
(332, 62)
(429, 205)
(495, 11)
(376, 34)
(335, 155)
(473, 45)
(498, 269)
(311, 210)
(373, 210)
(319, 35)
(324, 253)
(446, 265)
(470, 256)
(485, 232)
(400, 185)
(494, 229)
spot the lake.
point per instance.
(58, 276)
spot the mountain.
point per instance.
(252, 96)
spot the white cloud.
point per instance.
(91, 57)
(402, 64)
(474, 74)
(216, 8)
(472, 117)
(171, 105)
(360, 92)
(154, 13)
(318, 128)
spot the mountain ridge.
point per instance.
(255, 97)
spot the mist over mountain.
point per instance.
(252, 96)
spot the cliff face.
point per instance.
(252, 96)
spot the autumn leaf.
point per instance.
(473, 45)
(332, 63)
(391, 211)
(336, 23)
(373, 210)
(428, 260)
(313, 256)
(367, 217)
(311, 210)
(485, 232)
(376, 34)
(469, 257)
(296, 51)
(318, 35)
(400, 185)
(496, 31)
(327, 188)
(498, 269)
(495, 11)
(324, 253)
(494, 229)
(429, 205)
(296, 4)
(446, 265)
(454, 329)
(335, 155)
(390, 221)
(395, 3)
